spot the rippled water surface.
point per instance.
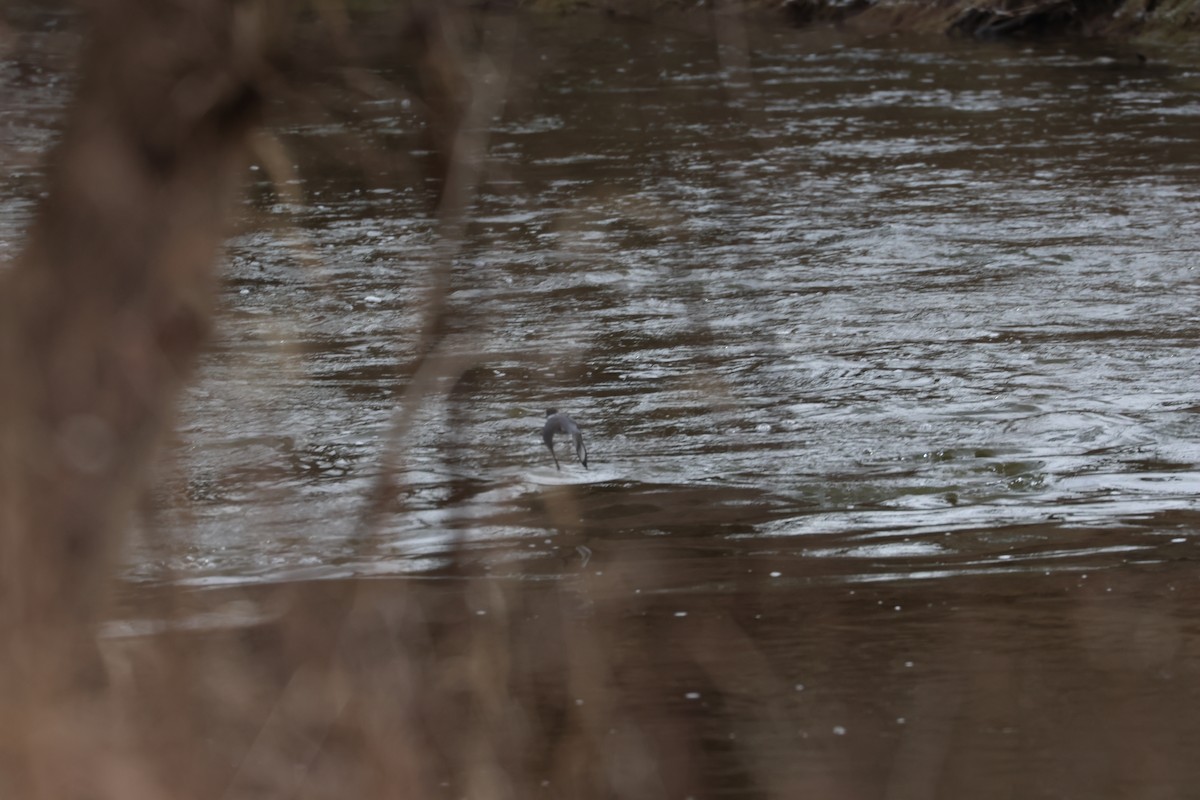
(903, 306)
(888, 338)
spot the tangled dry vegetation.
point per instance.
(336, 690)
(461, 688)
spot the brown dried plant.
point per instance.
(344, 690)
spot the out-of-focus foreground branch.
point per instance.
(354, 690)
(104, 312)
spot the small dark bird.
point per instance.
(561, 423)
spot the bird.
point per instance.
(561, 423)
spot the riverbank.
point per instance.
(1140, 20)
(1150, 21)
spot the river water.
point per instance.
(884, 351)
(896, 306)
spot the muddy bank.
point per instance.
(1135, 19)
(1138, 20)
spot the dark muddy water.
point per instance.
(885, 351)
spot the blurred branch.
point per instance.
(104, 312)
(463, 97)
